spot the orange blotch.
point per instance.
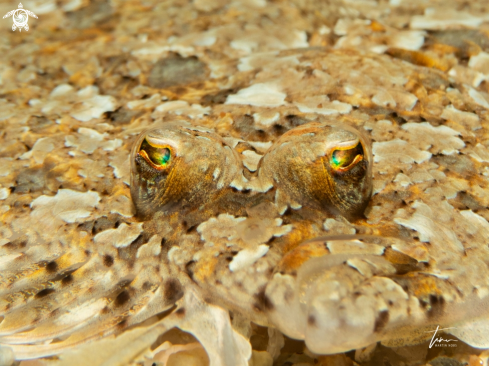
(205, 268)
(296, 258)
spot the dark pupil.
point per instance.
(343, 158)
(158, 155)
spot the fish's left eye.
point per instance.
(346, 158)
(325, 166)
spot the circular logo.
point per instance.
(20, 18)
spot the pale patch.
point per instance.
(270, 59)
(242, 232)
(477, 220)
(480, 153)
(247, 257)
(6, 260)
(94, 107)
(361, 266)
(354, 247)
(334, 227)
(443, 18)
(398, 150)
(384, 99)
(439, 139)
(413, 250)
(251, 159)
(180, 107)
(121, 204)
(151, 249)
(465, 75)
(478, 98)
(4, 193)
(89, 140)
(480, 62)
(408, 40)
(261, 147)
(122, 166)
(420, 176)
(345, 26)
(61, 91)
(464, 118)
(211, 325)
(429, 229)
(69, 206)
(266, 118)
(120, 237)
(171, 106)
(261, 95)
(6, 166)
(93, 169)
(403, 180)
(149, 103)
(41, 148)
(81, 313)
(326, 107)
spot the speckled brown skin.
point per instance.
(250, 218)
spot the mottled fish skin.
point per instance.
(338, 195)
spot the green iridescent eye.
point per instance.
(158, 157)
(345, 159)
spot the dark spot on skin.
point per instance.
(173, 290)
(67, 280)
(138, 241)
(263, 302)
(180, 312)
(189, 267)
(437, 303)
(122, 116)
(218, 98)
(295, 121)
(44, 293)
(311, 320)
(192, 228)
(278, 129)
(122, 324)
(108, 260)
(122, 298)
(177, 71)
(105, 310)
(381, 321)
(445, 361)
(51, 267)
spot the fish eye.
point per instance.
(344, 159)
(158, 157)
